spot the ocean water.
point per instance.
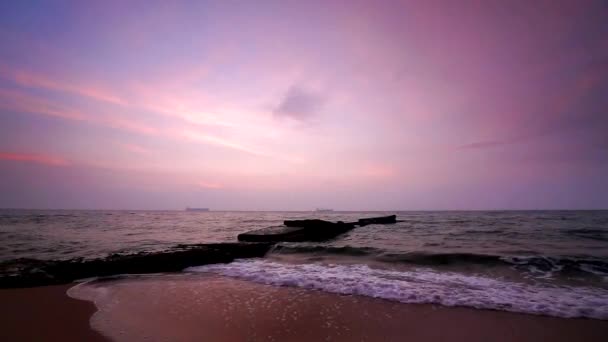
(539, 262)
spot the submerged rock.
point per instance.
(378, 220)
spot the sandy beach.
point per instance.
(45, 314)
(185, 308)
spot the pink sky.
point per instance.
(292, 105)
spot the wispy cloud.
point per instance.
(20, 102)
(209, 185)
(135, 148)
(208, 138)
(188, 111)
(483, 144)
(34, 158)
(29, 79)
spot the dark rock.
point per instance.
(38, 273)
(308, 223)
(377, 220)
(32, 272)
(274, 234)
(298, 231)
(309, 230)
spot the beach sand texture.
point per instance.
(213, 308)
(45, 314)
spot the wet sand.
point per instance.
(45, 314)
(211, 308)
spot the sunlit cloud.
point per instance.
(134, 148)
(20, 102)
(379, 171)
(187, 110)
(28, 79)
(209, 185)
(34, 158)
(207, 138)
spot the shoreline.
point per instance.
(46, 314)
(215, 308)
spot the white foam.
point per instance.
(424, 286)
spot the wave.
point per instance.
(547, 265)
(482, 231)
(34, 272)
(588, 233)
(423, 286)
(320, 249)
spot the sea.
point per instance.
(552, 263)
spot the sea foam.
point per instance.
(423, 285)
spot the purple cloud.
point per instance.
(300, 104)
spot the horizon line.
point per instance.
(311, 210)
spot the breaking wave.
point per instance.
(536, 264)
(423, 285)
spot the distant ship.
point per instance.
(323, 210)
(196, 209)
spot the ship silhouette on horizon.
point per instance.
(196, 209)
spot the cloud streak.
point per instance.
(134, 148)
(28, 79)
(34, 158)
(21, 102)
(483, 144)
(209, 185)
(185, 110)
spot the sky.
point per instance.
(293, 105)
